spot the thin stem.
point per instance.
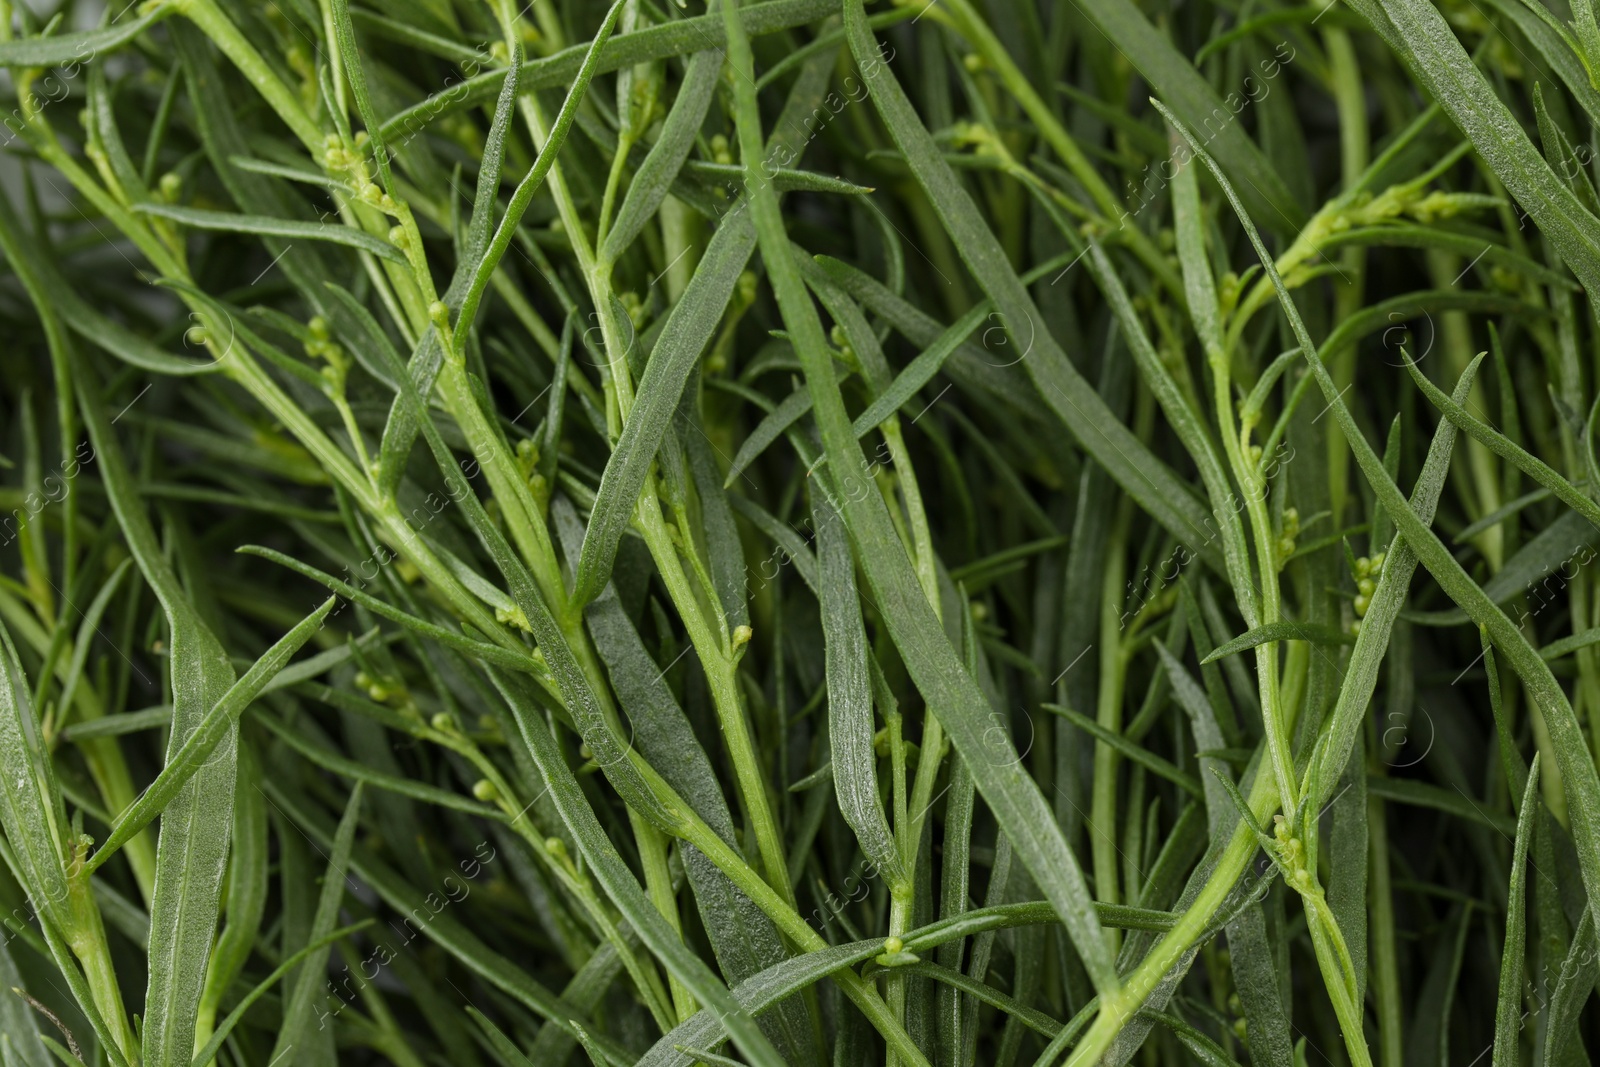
(1113, 665)
(1116, 1010)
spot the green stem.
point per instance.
(1113, 667)
(87, 937)
(721, 672)
(1117, 1009)
(795, 928)
(1350, 97)
(1381, 938)
(225, 35)
(1338, 974)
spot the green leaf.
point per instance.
(1555, 555)
(1500, 515)
(679, 37)
(70, 50)
(209, 1051)
(364, 775)
(310, 979)
(758, 993)
(729, 573)
(1207, 1051)
(1314, 633)
(247, 891)
(481, 649)
(482, 267)
(1450, 801)
(972, 368)
(620, 884)
(660, 168)
(1417, 30)
(1429, 1039)
(1255, 976)
(851, 724)
(783, 179)
(1034, 1020)
(1171, 76)
(30, 800)
(677, 349)
(76, 315)
(1151, 762)
(267, 226)
(1572, 990)
(1503, 446)
(440, 927)
(1406, 235)
(772, 426)
(504, 1047)
(218, 724)
(920, 371)
(1383, 315)
(1208, 738)
(19, 1030)
(1508, 1014)
(1568, 645)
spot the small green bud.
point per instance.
(513, 617)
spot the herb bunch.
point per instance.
(959, 532)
